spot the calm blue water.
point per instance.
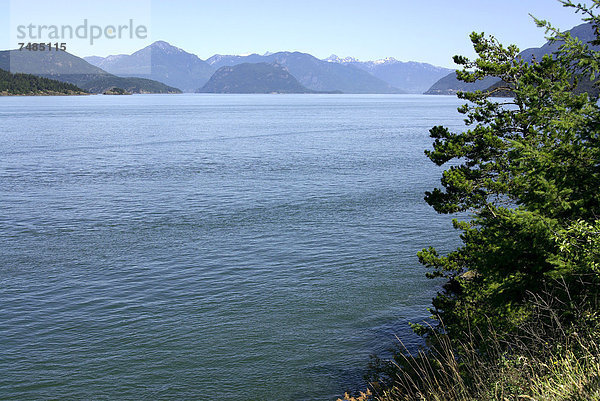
(223, 247)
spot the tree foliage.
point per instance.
(527, 171)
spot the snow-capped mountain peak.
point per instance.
(387, 60)
(335, 59)
(166, 47)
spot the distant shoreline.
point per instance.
(44, 94)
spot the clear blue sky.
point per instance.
(428, 30)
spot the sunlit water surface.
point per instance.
(221, 247)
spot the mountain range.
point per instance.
(411, 76)
(449, 84)
(175, 67)
(163, 68)
(315, 74)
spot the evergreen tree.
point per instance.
(527, 171)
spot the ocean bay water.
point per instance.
(239, 247)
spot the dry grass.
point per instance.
(548, 360)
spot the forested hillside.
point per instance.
(27, 84)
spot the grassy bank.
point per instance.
(553, 355)
(549, 358)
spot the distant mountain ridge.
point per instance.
(585, 32)
(449, 84)
(314, 74)
(65, 67)
(160, 62)
(410, 76)
(253, 78)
